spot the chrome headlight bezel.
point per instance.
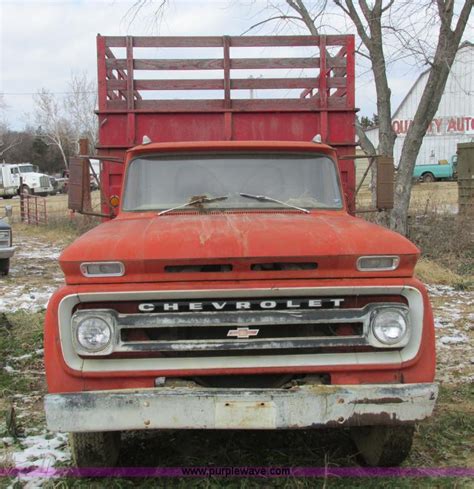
(104, 315)
(376, 338)
(395, 262)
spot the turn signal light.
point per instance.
(377, 263)
(103, 269)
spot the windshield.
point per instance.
(27, 169)
(162, 182)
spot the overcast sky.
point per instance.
(44, 42)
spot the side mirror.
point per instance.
(79, 185)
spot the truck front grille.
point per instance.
(239, 326)
(44, 182)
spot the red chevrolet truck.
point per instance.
(231, 285)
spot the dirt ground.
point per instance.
(445, 440)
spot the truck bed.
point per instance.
(274, 88)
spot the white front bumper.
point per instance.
(204, 408)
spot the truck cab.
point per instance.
(33, 182)
(234, 288)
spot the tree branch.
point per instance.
(270, 19)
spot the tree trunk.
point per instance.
(447, 47)
(63, 154)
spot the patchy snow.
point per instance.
(16, 298)
(35, 249)
(42, 451)
(21, 357)
(454, 340)
(454, 326)
(8, 369)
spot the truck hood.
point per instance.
(230, 246)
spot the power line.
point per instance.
(49, 93)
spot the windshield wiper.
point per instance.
(264, 198)
(195, 201)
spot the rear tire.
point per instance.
(4, 266)
(383, 446)
(95, 449)
(428, 178)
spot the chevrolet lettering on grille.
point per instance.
(240, 305)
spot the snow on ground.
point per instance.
(454, 328)
(36, 452)
(34, 275)
(18, 298)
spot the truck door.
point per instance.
(15, 176)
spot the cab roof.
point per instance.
(302, 146)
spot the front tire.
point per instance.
(26, 190)
(428, 178)
(383, 446)
(99, 449)
(4, 266)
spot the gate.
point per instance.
(33, 209)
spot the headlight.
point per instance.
(5, 238)
(390, 325)
(93, 332)
(377, 263)
(103, 269)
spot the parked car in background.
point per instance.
(62, 179)
(54, 184)
(444, 170)
(6, 247)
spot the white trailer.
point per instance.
(8, 185)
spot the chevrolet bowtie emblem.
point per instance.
(242, 333)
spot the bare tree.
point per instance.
(53, 126)
(5, 144)
(376, 22)
(79, 105)
(449, 39)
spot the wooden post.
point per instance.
(86, 177)
(323, 89)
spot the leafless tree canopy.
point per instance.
(62, 122)
(79, 106)
(53, 126)
(424, 33)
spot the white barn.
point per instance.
(454, 120)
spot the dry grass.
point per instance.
(447, 240)
(431, 272)
(440, 196)
(6, 460)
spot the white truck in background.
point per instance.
(33, 182)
